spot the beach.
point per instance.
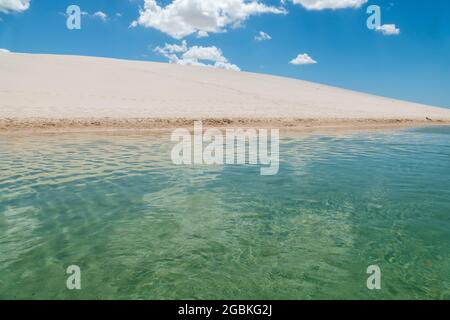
(88, 180)
(219, 158)
(55, 92)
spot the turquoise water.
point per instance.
(142, 228)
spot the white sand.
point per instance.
(71, 87)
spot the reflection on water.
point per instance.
(140, 227)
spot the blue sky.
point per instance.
(412, 65)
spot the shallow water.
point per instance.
(140, 227)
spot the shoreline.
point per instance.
(151, 124)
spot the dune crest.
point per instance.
(52, 90)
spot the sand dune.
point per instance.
(40, 89)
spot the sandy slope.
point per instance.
(38, 88)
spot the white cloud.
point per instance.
(202, 34)
(7, 6)
(262, 36)
(101, 15)
(181, 18)
(329, 4)
(195, 56)
(172, 48)
(204, 53)
(4, 51)
(303, 59)
(388, 30)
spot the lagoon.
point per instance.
(140, 227)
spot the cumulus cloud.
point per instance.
(262, 36)
(101, 15)
(303, 59)
(388, 30)
(7, 6)
(329, 4)
(4, 51)
(181, 18)
(195, 56)
(202, 34)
